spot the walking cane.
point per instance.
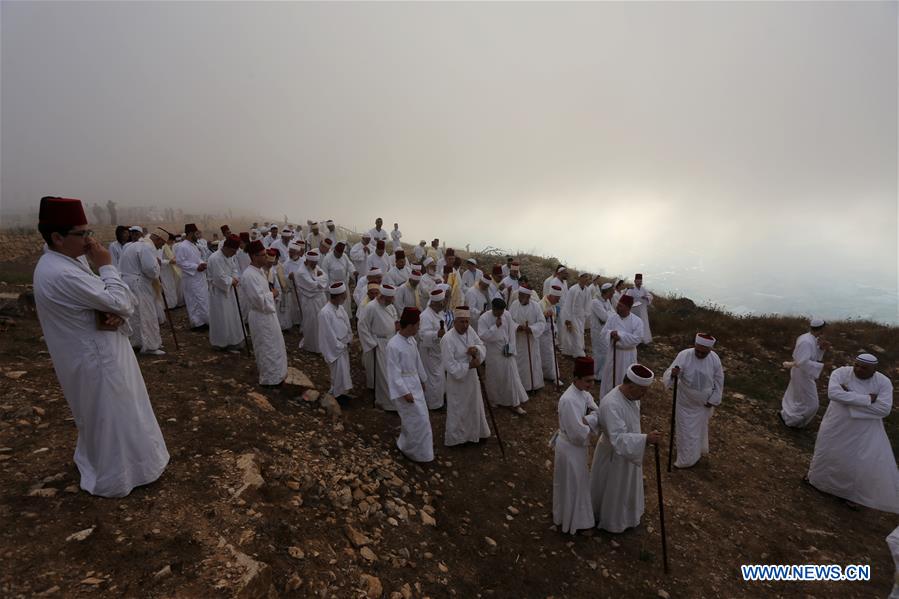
(614, 362)
(296, 292)
(502, 449)
(661, 509)
(168, 316)
(527, 336)
(242, 327)
(673, 412)
(552, 330)
(374, 391)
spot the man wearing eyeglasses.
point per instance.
(83, 318)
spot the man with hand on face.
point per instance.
(225, 329)
(406, 377)
(616, 481)
(700, 387)
(261, 300)
(462, 351)
(193, 278)
(853, 458)
(140, 268)
(119, 443)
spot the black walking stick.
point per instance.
(552, 330)
(502, 449)
(673, 413)
(168, 315)
(614, 362)
(374, 358)
(661, 509)
(243, 328)
(527, 337)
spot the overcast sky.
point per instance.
(741, 139)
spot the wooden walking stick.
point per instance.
(243, 328)
(552, 330)
(661, 509)
(168, 315)
(296, 292)
(527, 336)
(614, 362)
(502, 449)
(374, 392)
(673, 413)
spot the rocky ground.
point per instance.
(274, 493)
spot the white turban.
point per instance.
(704, 340)
(555, 290)
(472, 261)
(606, 286)
(640, 375)
(868, 359)
(294, 246)
(337, 288)
(428, 261)
(817, 322)
(312, 256)
(438, 295)
(387, 290)
(374, 271)
(462, 312)
(415, 276)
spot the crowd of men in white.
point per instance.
(426, 323)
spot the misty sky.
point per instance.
(734, 145)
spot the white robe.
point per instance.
(376, 261)
(893, 544)
(262, 318)
(339, 270)
(853, 458)
(293, 267)
(630, 332)
(406, 374)
(119, 443)
(466, 421)
(572, 508)
(115, 250)
(616, 481)
(429, 348)
(575, 308)
(642, 311)
(225, 328)
(551, 280)
(359, 254)
(243, 260)
(600, 310)
(406, 296)
(170, 276)
(287, 300)
(533, 316)
(376, 325)
(398, 276)
(548, 342)
(503, 382)
(395, 236)
(140, 270)
(334, 338)
(378, 234)
(800, 401)
(700, 384)
(419, 252)
(194, 285)
(478, 302)
(313, 285)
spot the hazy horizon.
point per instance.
(742, 151)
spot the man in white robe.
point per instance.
(642, 301)
(360, 252)
(477, 298)
(428, 280)
(893, 544)
(378, 233)
(395, 237)
(379, 258)
(549, 339)
(338, 268)
(560, 278)
(406, 377)
(243, 258)
(853, 458)
(420, 251)
(497, 330)
(575, 310)
(800, 401)
(193, 278)
(226, 332)
(407, 294)
(531, 326)
(578, 421)
(376, 324)
(84, 321)
(314, 238)
(372, 276)
(616, 480)
(600, 310)
(700, 384)
(282, 244)
(470, 274)
(170, 274)
(431, 330)
(295, 262)
(332, 234)
(313, 285)
(462, 351)
(334, 338)
(623, 333)
(139, 265)
(510, 283)
(122, 238)
(271, 238)
(400, 271)
(260, 298)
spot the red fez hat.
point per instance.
(583, 366)
(190, 228)
(380, 244)
(449, 252)
(61, 212)
(497, 269)
(410, 315)
(232, 242)
(255, 247)
(627, 300)
(225, 229)
(400, 254)
(272, 252)
(245, 236)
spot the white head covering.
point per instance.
(462, 312)
(640, 375)
(444, 287)
(312, 256)
(286, 233)
(337, 288)
(705, 340)
(428, 261)
(555, 290)
(437, 295)
(869, 359)
(817, 322)
(294, 246)
(387, 290)
(605, 286)
(135, 229)
(374, 271)
(472, 261)
(416, 275)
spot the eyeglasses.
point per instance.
(84, 234)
